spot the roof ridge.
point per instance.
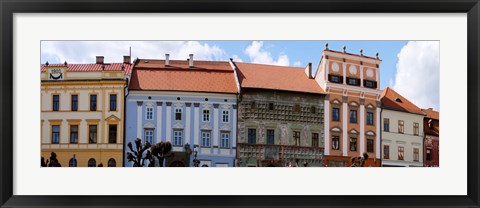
(272, 65)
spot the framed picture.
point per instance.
(293, 63)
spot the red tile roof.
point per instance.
(431, 113)
(394, 101)
(273, 77)
(93, 67)
(205, 76)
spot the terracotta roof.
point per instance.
(353, 54)
(394, 101)
(93, 67)
(431, 113)
(273, 77)
(205, 76)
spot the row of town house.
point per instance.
(233, 114)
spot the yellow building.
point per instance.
(82, 112)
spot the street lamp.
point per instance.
(196, 162)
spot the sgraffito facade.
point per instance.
(279, 125)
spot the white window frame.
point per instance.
(149, 113)
(225, 116)
(177, 134)
(227, 138)
(149, 133)
(178, 110)
(204, 134)
(206, 115)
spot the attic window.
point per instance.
(398, 100)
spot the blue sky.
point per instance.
(399, 58)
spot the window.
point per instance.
(270, 106)
(178, 114)
(370, 84)
(92, 134)
(149, 113)
(112, 134)
(415, 129)
(386, 124)
(296, 138)
(429, 155)
(149, 136)
(225, 140)
(400, 153)
(313, 110)
(56, 102)
(252, 136)
(353, 116)
(353, 144)
(206, 115)
(92, 162)
(297, 108)
(335, 114)
(205, 139)
(74, 103)
(314, 139)
(225, 117)
(55, 134)
(93, 102)
(416, 154)
(74, 134)
(369, 118)
(112, 163)
(335, 142)
(253, 105)
(113, 102)
(353, 81)
(177, 138)
(400, 126)
(370, 145)
(386, 152)
(270, 136)
(335, 78)
(72, 162)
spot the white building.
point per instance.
(402, 131)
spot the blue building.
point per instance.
(191, 104)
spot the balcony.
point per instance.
(283, 153)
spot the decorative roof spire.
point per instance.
(46, 63)
(344, 49)
(361, 52)
(326, 46)
(376, 55)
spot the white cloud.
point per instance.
(418, 73)
(113, 51)
(297, 63)
(257, 54)
(236, 58)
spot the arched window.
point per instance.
(92, 163)
(112, 163)
(72, 162)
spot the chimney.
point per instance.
(190, 61)
(167, 59)
(308, 71)
(126, 59)
(99, 60)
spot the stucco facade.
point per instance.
(352, 107)
(82, 113)
(402, 148)
(163, 123)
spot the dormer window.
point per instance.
(398, 100)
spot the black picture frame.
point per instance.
(10, 7)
